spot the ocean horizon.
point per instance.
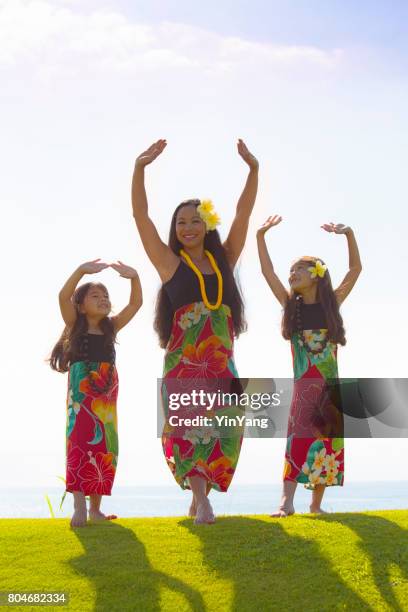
(151, 501)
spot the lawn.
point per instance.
(335, 562)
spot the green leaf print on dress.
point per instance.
(192, 322)
(97, 434)
(111, 439)
(301, 362)
(219, 324)
(171, 360)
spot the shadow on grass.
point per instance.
(115, 562)
(270, 569)
(385, 543)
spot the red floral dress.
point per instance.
(91, 431)
(315, 446)
(199, 354)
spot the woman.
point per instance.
(199, 312)
(313, 324)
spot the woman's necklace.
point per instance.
(201, 278)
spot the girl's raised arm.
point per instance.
(136, 297)
(161, 256)
(239, 228)
(68, 312)
(278, 289)
(355, 266)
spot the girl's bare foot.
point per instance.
(317, 510)
(79, 518)
(97, 515)
(205, 514)
(283, 511)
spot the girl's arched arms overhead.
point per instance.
(278, 289)
(355, 266)
(161, 256)
(136, 297)
(237, 235)
(68, 311)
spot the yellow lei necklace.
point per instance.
(201, 278)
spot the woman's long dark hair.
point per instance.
(69, 343)
(326, 296)
(164, 313)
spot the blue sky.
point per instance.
(325, 23)
(318, 91)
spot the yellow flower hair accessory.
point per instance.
(318, 270)
(208, 214)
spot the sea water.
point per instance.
(145, 501)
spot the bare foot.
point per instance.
(317, 510)
(97, 515)
(79, 518)
(205, 514)
(283, 511)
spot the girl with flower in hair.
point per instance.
(313, 324)
(199, 312)
(86, 351)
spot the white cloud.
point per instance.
(37, 32)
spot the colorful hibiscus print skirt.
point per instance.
(315, 445)
(91, 436)
(199, 354)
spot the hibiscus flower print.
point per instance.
(75, 456)
(104, 410)
(203, 361)
(100, 377)
(97, 475)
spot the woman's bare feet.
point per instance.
(205, 514)
(79, 517)
(193, 508)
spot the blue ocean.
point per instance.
(148, 501)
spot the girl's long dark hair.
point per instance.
(69, 343)
(326, 296)
(212, 242)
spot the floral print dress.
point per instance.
(199, 354)
(91, 429)
(315, 445)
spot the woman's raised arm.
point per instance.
(161, 256)
(239, 228)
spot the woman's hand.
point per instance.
(148, 156)
(247, 155)
(124, 270)
(337, 228)
(270, 222)
(92, 267)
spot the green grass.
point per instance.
(336, 562)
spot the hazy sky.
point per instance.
(318, 91)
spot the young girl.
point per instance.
(86, 350)
(199, 313)
(312, 322)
